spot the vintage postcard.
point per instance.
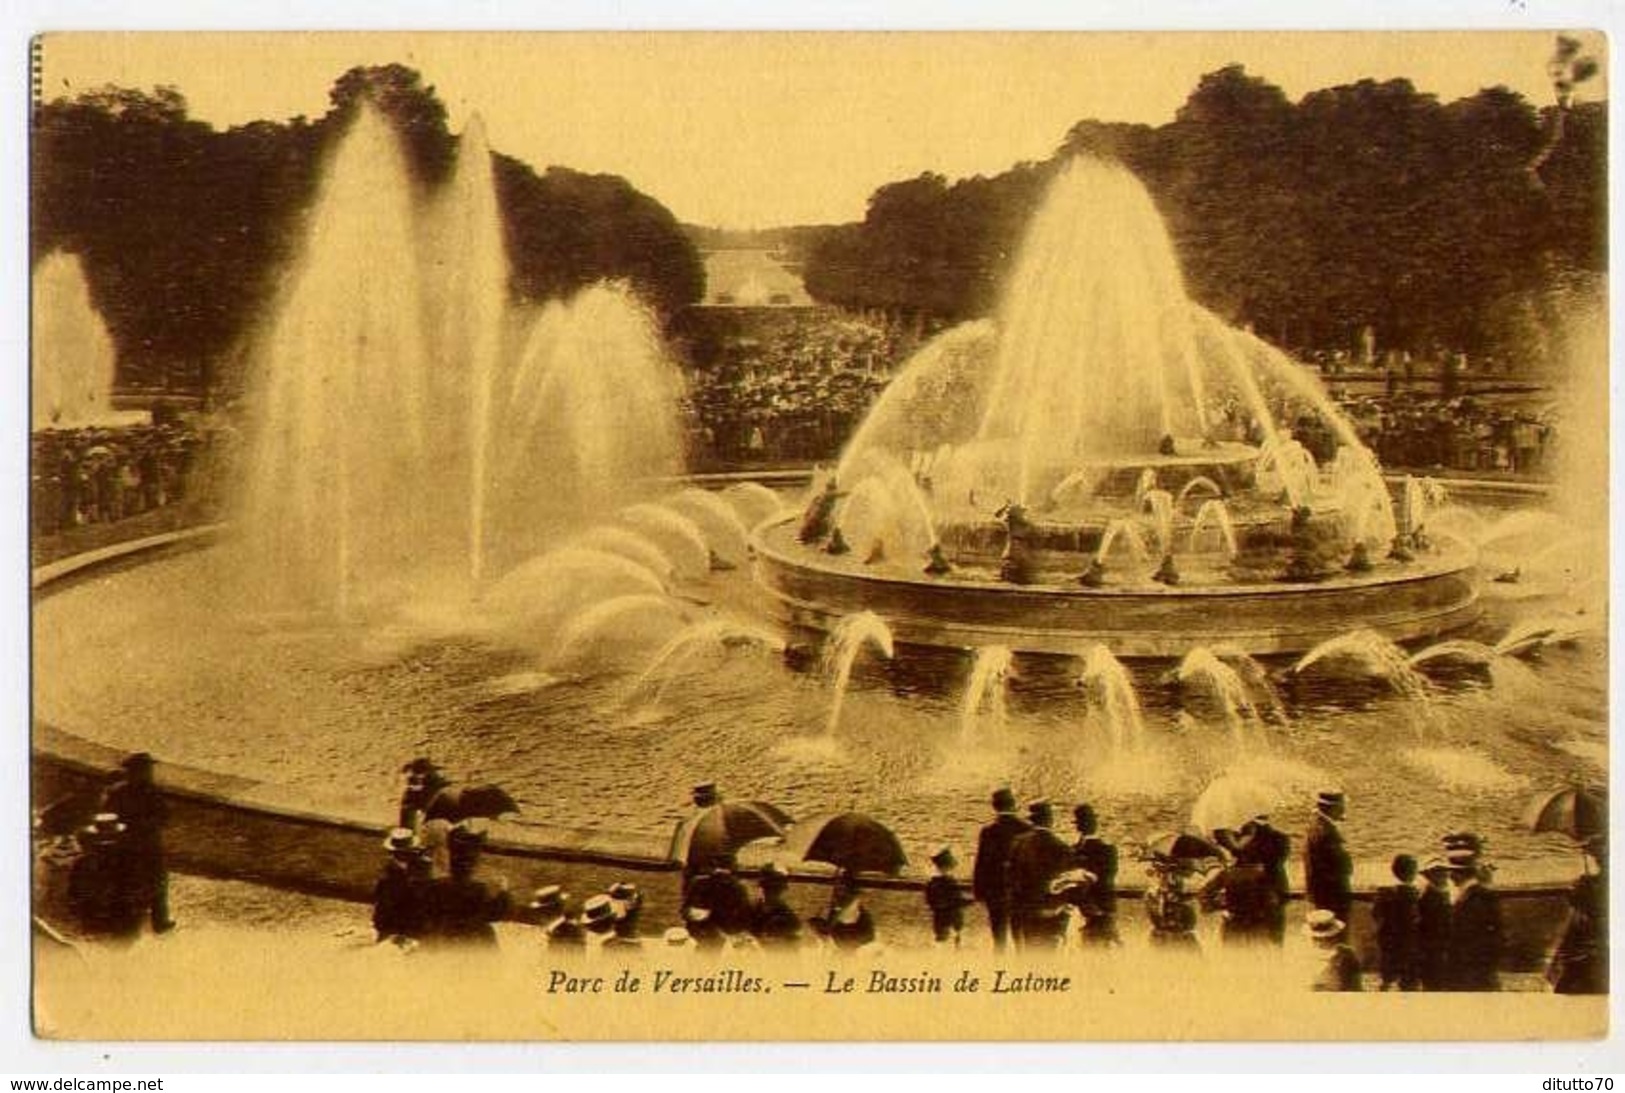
(819, 536)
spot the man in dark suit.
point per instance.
(1327, 867)
(1037, 856)
(1098, 858)
(136, 800)
(1433, 913)
(400, 895)
(1475, 922)
(988, 881)
(1396, 911)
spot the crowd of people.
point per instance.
(101, 475)
(1039, 891)
(1437, 927)
(795, 393)
(1458, 434)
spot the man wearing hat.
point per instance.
(1475, 920)
(946, 899)
(1395, 911)
(400, 896)
(100, 896)
(774, 923)
(545, 911)
(136, 801)
(989, 884)
(1433, 912)
(1098, 858)
(627, 899)
(598, 920)
(424, 781)
(1037, 856)
(1327, 868)
(1341, 971)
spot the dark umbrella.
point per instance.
(1183, 847)
(718, 831)
(458, 803)
(1574, 811)
(847, 840)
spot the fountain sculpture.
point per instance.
(1109, 462)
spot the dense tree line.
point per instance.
(1440, 225)
(183, 230)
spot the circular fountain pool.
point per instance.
(609, 728)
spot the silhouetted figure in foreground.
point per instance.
(1397, 911)
(140, 806)
(1580, 964)
(1341, 970)
(103, 897)
(848, 923)
(988, 882)
(1475, 921)
(1327, 866)
(1433, 914)
(1037, 856)
(774, 923)
(400, 896)
(1098, 858)
(946, 898)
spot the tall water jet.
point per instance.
(339, 469)
(986, 688)
(1100, 399)
(73, 353)
(1095, 356)
(594, 400)
(474, 299)
(846, 641)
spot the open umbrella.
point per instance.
(719, 830)
(458, 803)
(1574, 811)
(1183, 846)
(1231, 801)
(847, 840)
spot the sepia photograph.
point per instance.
(842, 536)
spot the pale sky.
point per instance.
(755, 130)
